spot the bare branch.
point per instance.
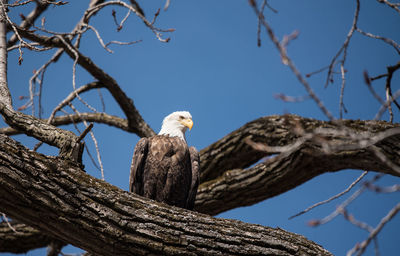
(289, 62)
(386, 40)
(368, 80)
(383, 108)
(93, 138)
(360, 248)
(5, 219)
(345, 45)
(138, 13)
(395, 6)
(29, 20)
(72, 96)
(5, 96)
(341, 104)
(339, 209)
(332, 198)
(101, 118)
(85, 132)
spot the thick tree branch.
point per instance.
(66, 141)
(23, 240)
(233, 152)
(241, 187)
(58, 198)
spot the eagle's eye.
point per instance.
(181, 117)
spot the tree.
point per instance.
(53, 202)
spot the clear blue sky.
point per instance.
(213, 68)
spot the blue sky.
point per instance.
(213, 68)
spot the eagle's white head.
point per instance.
(176, 124)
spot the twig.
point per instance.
(75, 52)
(286, 98)
(343, 205)
(123, 43)
(349, 217)
(98, 37)
(296, 72)
(378, 189)
(285, 42)
(167, 3)
(388, 102)
(79, 131)
(360, 248)
(385, 159)
(85, 132)
(124, 19)
(317, 71)
(8, 223)
(368, 80)
(259, 23)
(94, 141)
(386, 40)
(332, 198)
(72, 96)
(345, 44)
(138, 13)
(341, 104)
(16, 4)
(392, 5)
(383, 107)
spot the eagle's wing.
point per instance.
(137, 166)
(195, 161)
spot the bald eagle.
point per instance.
(163, 167)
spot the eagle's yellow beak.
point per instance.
(188, 123)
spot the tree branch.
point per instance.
(5, 95)
(232, 151)
(135, 120)
(29, 20)
(66, 141)
(23, 240)
(226, 185)
(55, 196)
(101, 118)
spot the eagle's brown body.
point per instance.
(165, 169)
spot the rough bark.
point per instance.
(68, 143)
(232, 151)
(101, 118)
(236, 187)
(240, 187)
(55, 196)
(5, 95)
(22, 239)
